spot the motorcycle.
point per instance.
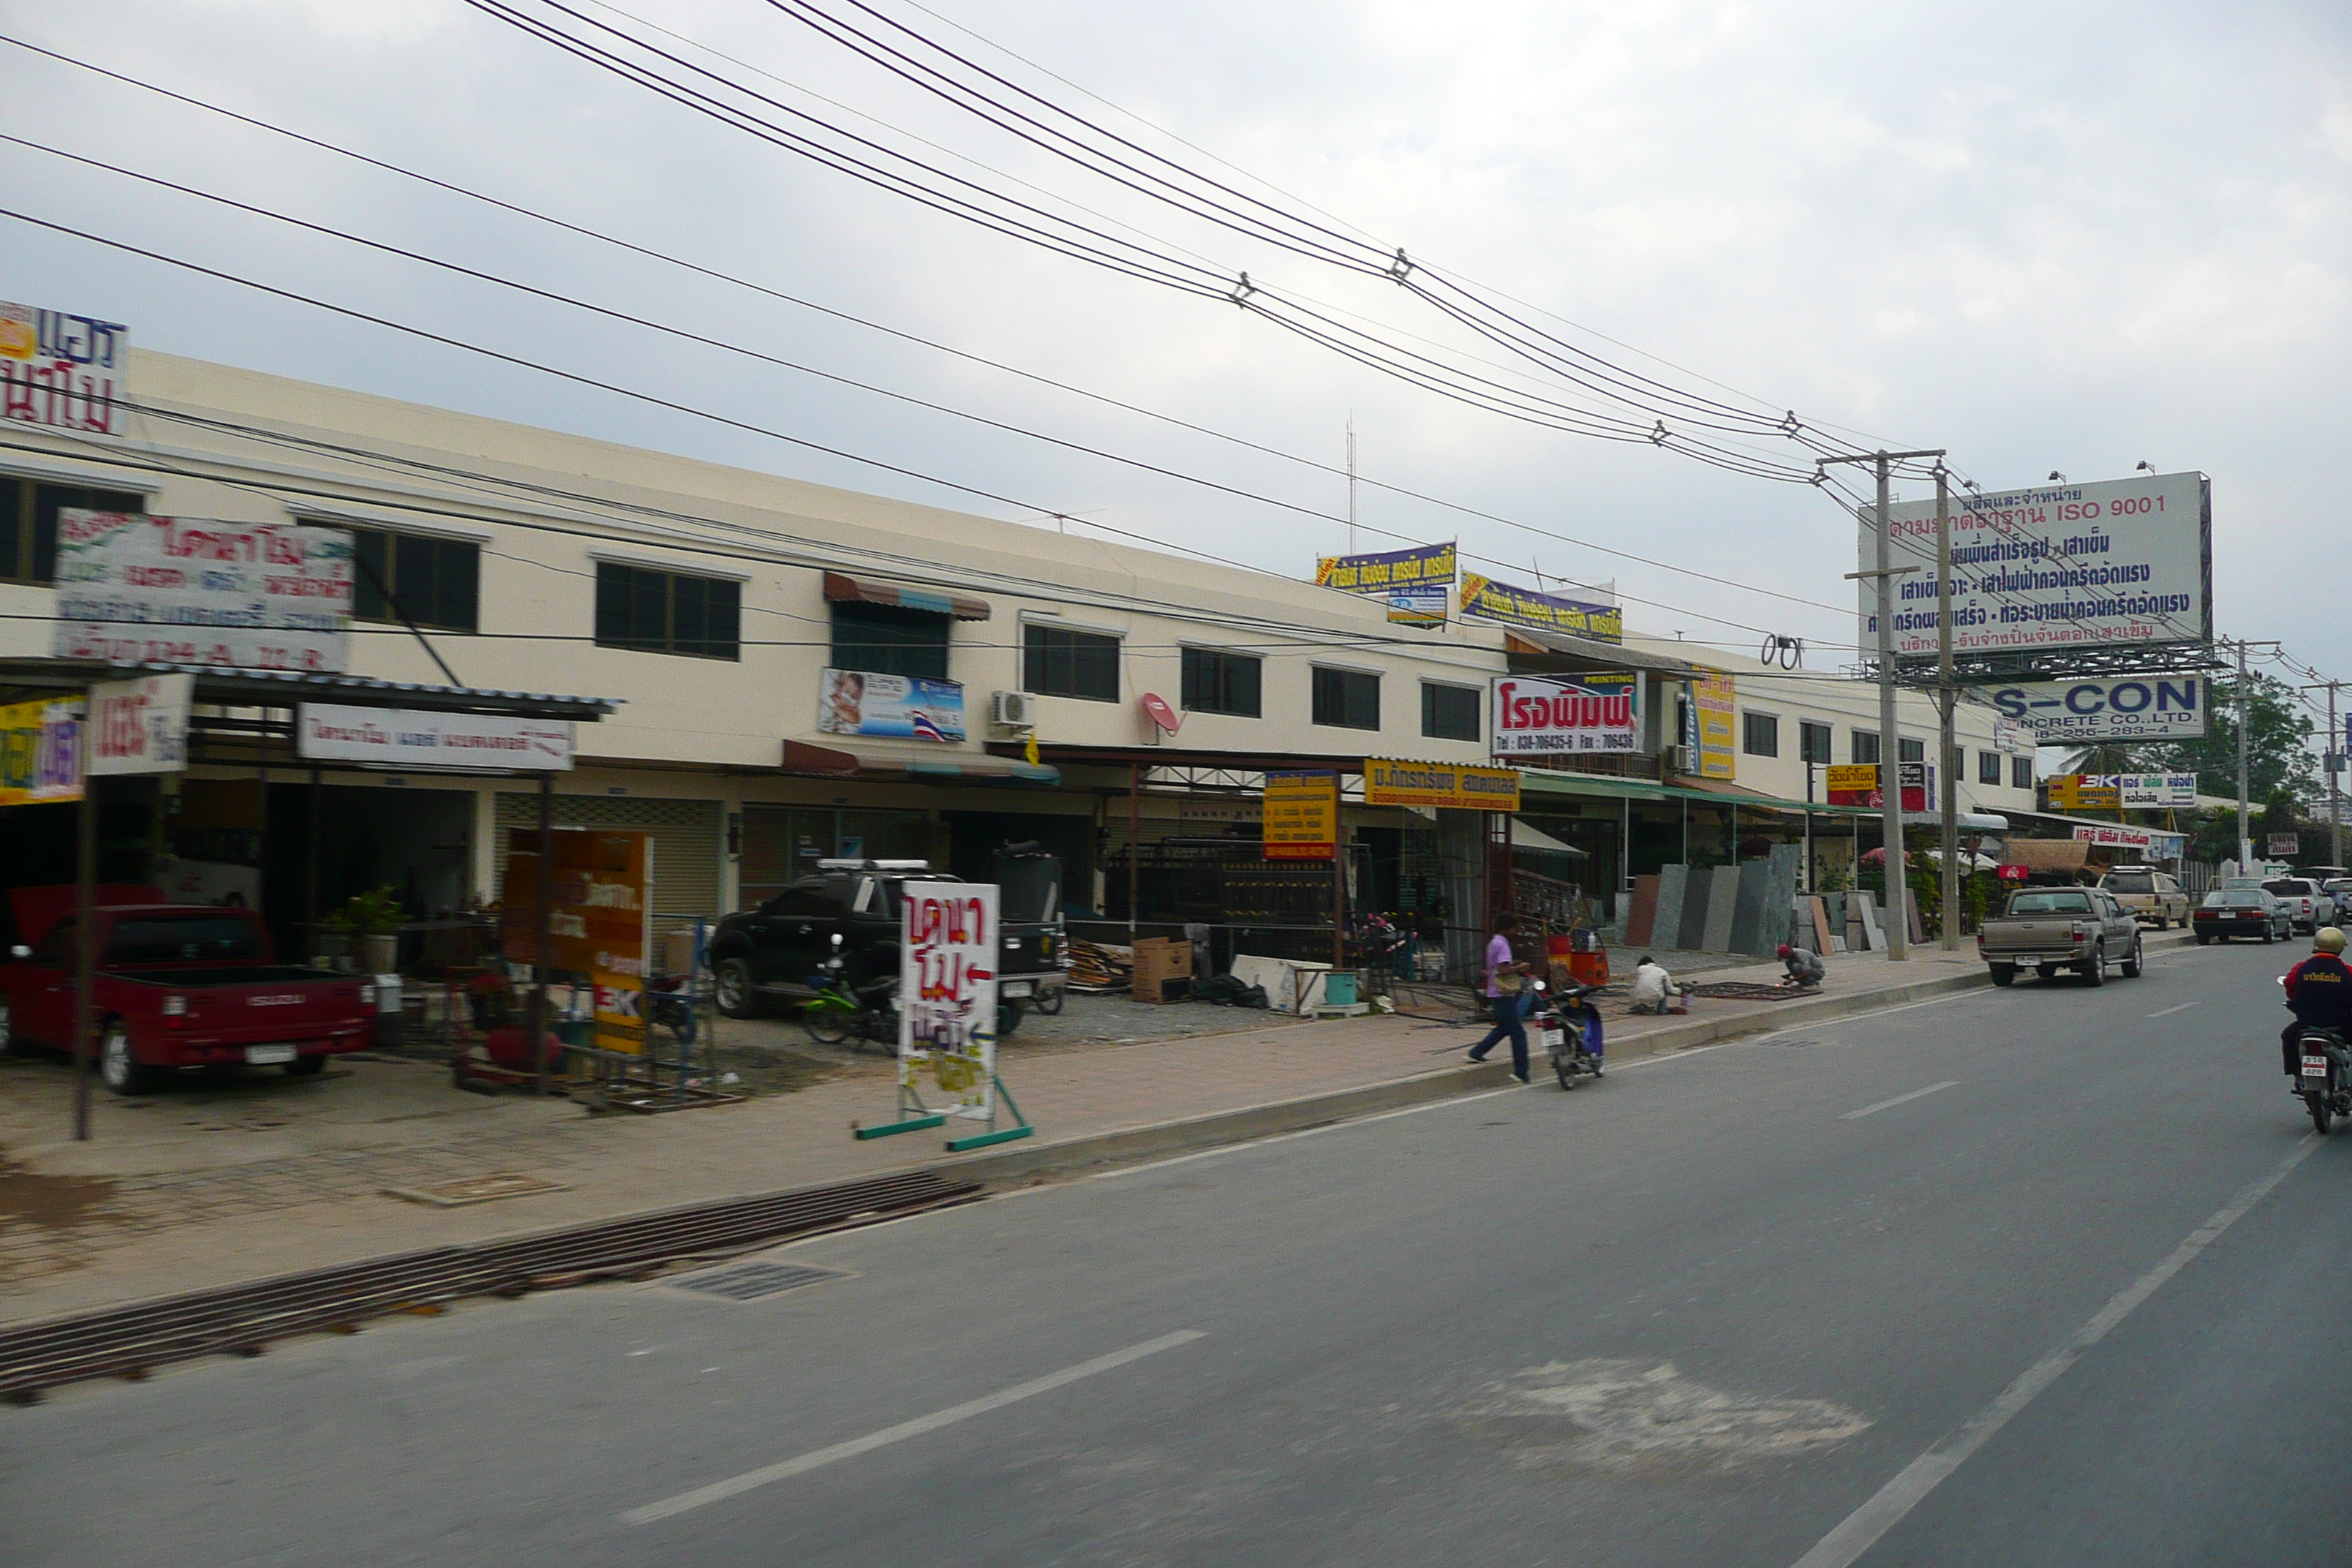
(870, 1011)
(2324, 1076)
(1569, 1027)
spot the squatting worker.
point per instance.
(1804, 966)
(2319, 989)
(1506, 979)
(1653, 989)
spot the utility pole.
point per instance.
(2332, 754)
(1890, 744)
(2245, 827)
(1352, 483)
(1946, 695)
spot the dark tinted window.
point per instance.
(433, 583)
(1759, 734)
(1347, 699)
(2246, 898)
(1058, 662)
(2288, 888)
(667, 612)
(184, 939)
(1219, 682)
(1866, 747)
(2062, 901)
(2129, 882)
(1988, 767)
(1911, 750)
(806, 898)
(888, 639)
(2020, 773)
(1448, 712)
(1814, 740)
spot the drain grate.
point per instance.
(751, 1281)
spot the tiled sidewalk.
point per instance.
(187, 1190)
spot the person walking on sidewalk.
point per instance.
(1506, 980)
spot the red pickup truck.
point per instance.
(179, 985)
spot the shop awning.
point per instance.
(927, 764)
(2168, 843)
(1526, 835)
(285, 689)
(842, 588)
(1601, 786)
(1591, 654)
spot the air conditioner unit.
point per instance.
(1682, 760)
(1013, 710)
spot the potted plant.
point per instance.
(374, 916)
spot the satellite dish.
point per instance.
(1166, 717)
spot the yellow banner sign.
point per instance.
(1452, 787)
(2085, 792)
(1714, 698)
(40, 753)
(1843, 776)
(1302, 816)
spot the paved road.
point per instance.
(1797, 1299)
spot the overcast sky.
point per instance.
(2048, 236)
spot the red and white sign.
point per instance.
(2119, 836)
(2013, 873)
(1533, 716)
(947, 996)
(1157, 709)
(436, 743)
(140, 726)
(135, 589)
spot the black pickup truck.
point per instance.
(762, 956)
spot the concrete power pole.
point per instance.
(2332, 754)
(1946, 695)
(1890, 741)
(2245, 824)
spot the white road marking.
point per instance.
(2169, 1012)
(1861, 1529)
(1900, 1100)
(734, 1486)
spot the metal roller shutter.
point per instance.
(687, 842)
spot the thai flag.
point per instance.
(924, 728)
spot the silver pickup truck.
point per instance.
(2051, 928)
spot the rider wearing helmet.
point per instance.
(2319, 989)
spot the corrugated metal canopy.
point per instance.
(284, 689)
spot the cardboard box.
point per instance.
(675, 954)
(1160, 960)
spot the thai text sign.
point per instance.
(140, 726)
(1714, 698)
(906, 707)
(2285, 846)
(403, 737)
(599, 919)
(1302, 816)
(1448, 785)
(2119, 564)
(2085, 791)
(62, 371)
(1857, 785)
(2108, 708)
(947, 995)
(1534, 716)
(2152, 791)
(134, 589)
(1494, 601)
(40, 753)
(2116, 836)
(1413, 583)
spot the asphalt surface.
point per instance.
(1942, 1285)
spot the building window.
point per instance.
(887, 640)
(1347, 699)
(667, 612)
(1813, 740)
(1218, 682)
(1759, 734)
(1910, 751)
(433, 583)
(2020, 773)
(28, 523)
(1447, 712)
(1058, 662)
(1865, 746)
(1987, 767)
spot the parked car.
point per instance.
(2340, 890)
(774, 954)
(2303, 900)
(2051, 928)
(2242, 912)
(2149, 893)
(177, 986)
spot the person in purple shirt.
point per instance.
(1505, 985)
